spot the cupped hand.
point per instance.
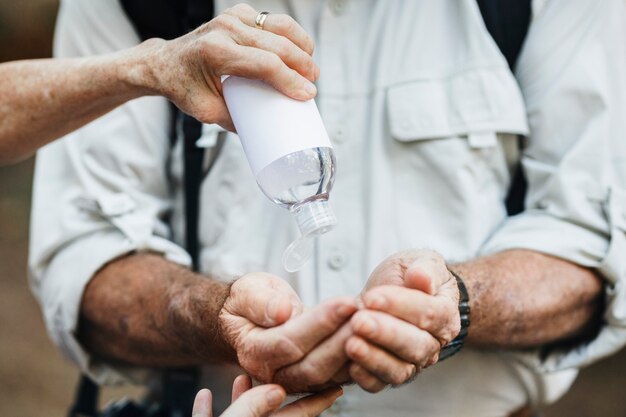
(400, 331)
(264, 400)
(276, 339)
(188, 70)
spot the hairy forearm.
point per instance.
(522, 299)
(143, 310)
(41, 100)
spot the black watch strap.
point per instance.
(456, 345)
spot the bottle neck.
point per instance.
(315, 218)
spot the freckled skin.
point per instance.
(144, 310)
(522, 298)
(518, 299)
(41, 100)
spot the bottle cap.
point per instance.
(314, 219)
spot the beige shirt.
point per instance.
(423, 113)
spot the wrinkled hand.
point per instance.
(276, 340)
(188, 70)
(410, 312)
(263, 400)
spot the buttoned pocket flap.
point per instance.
(476, 104)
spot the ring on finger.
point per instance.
(259, 21)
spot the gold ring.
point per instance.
(260, 20)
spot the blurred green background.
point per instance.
(34, 379)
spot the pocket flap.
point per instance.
(477, 101)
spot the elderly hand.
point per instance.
(410, 312)
(263, 400)
(188, 70)
(276, 340)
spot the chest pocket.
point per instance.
(468, 120)
(476, 104)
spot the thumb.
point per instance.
(263, 299)
(427, 273)
(257, 402)
(202, 405)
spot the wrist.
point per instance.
(193, 315)
(138, 68)
(458, 342)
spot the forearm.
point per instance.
(146, 311)
(41, 100)
(521, 299)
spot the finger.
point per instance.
(286, 50)
(366, 380)
(241, 384)
(404, 340)
(318, 367)
(436, 315)
(312, 405)
(257, 402)
(263, 299)
(342, 377)
(290, 342)
(254, 63)
(386, 367)
(280, 24)
(202, 405)
(428, 272)
(219, 116)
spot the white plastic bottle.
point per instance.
(290, 155)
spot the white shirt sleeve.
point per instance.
(99, 193)
(572, 72)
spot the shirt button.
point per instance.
(338, 7)
(337, 261)
(339, 136)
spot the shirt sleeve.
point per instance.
(572, 72)
(100, 192)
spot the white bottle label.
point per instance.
(270, 124)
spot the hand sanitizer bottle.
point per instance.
(290, 155)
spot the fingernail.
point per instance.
(433, 360)
(377, 301)
(272, 308)
(365, 325)
(274, 398)
(358, 348)
(344, 311)
(310, 89)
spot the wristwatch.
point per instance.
(456, 345)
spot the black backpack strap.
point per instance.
(193, 176)
(508, 22)
(156, 18)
